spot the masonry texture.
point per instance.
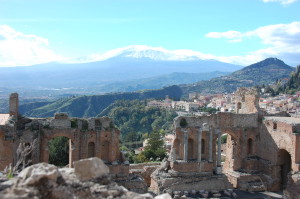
(262, 152)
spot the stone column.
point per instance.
(199, 144)
(210, 145)
(14, 104)
(185, 145)
(219, 169)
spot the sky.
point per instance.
(233, 31)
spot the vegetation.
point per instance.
(90, 106)
(136, 120)
(59, 151)
(292, 84)
(208, 109)
(289, 87)
(224, 139)
(155, 149)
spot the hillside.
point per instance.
(264, 72)
(292, 85)
(91, 106)
(134, 118)
(158, 82)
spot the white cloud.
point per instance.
(283, 2)
(283, 41)
(233, 36)
(18, 49)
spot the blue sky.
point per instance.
(234, 31)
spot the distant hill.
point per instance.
(158, 82)
(91, 106)
(264, 72)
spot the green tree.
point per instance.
(59, 151)
(155, 149)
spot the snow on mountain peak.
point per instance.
(143, 51)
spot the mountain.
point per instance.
(91, 106)
(264, 72)
(90, 74)
(159, 81)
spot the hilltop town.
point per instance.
(289, 103)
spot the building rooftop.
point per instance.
(3, 118)
(289, 120)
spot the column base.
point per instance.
(218, 170)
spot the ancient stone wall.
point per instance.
(96, 137)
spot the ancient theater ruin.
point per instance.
(93, 137)
(262, 151)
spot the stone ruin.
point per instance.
(262, 151)
(24, 141)
(89, 179)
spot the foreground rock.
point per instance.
(96, 166)
(47, 181)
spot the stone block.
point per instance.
(33, 174)
(87, 169)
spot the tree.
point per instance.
(155, 149)
(59, 151)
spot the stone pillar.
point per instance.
(14, 104)
(210, 146)
(185, 145)
(199, 144)
(219, 169)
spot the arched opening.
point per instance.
(284, 161)
(202, 146)
(239, 105)
(105, 151)
(190, 149)
(176, 145)
(91, 149)
(97, 125)
(274, 126)
(250, 147)
(59, 151)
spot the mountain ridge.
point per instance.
(265, 72)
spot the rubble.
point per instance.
(44, 180)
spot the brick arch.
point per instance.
(105, 146)
(91, 149)
(284, 161)
(73, 145)
(176, 145)
(191, 149)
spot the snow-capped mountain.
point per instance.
(131, 63)
(143, 51)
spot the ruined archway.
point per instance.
(249, 146)
(91, 149)
(105, 151)
(177, 147)
(59, 151)
(284, 161)
(202, 146)
(239, 106)
(190, 149)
